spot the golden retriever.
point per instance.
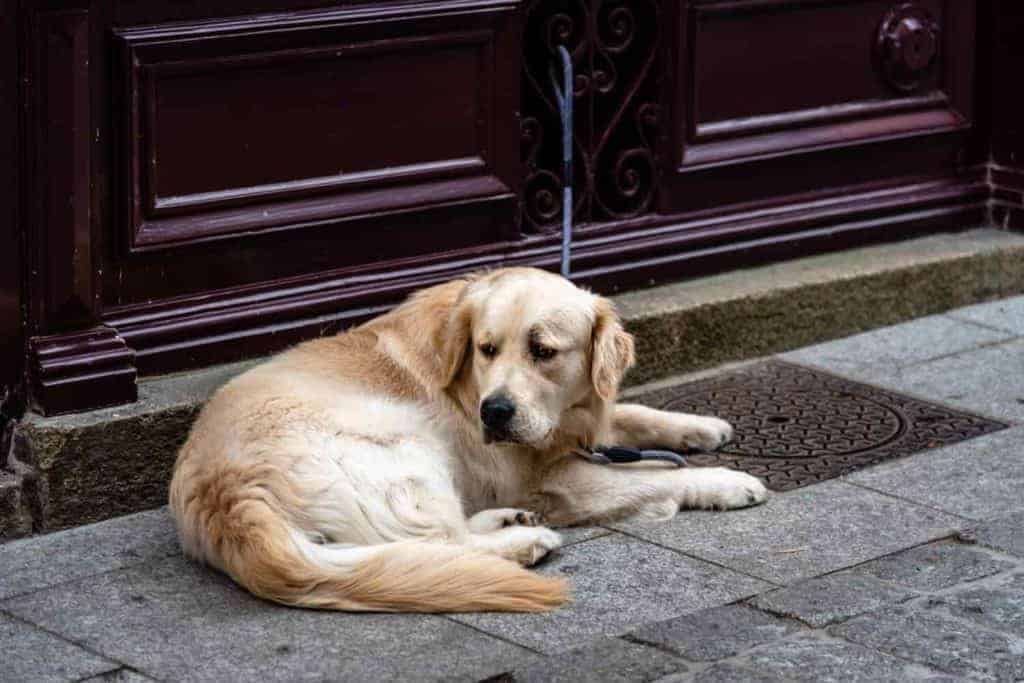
(407, 464)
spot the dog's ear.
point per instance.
(454, 338)
(612, 351)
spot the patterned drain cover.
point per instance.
(796, 426)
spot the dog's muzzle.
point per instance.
(496, 413)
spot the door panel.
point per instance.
(276, 123)
(766, 78)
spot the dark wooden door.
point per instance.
(11, 321)
(212, 181)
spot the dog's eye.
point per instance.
(489, 350)
(541, 352)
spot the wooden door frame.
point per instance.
(12, 352)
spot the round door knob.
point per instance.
(907, 47)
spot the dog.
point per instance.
(411, 464)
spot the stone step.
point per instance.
(70, 470)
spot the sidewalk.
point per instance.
(908, 570)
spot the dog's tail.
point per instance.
(263, 553)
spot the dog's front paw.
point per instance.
(525, 518)
(724, 489)
(499, 518)
(705, 433)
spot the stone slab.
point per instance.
(15, 513)
(754, 312)
(923, 634)
(891, 347)
(935, 566)
(817, 660)
(610, 660)
(1006, 314)
(174, 620)
(91, 473)
(618, 583)
(714, 634)
(578, 534)
(1005, 533)
(109, 462)
(986, 381)
(725, 672)
(979, 479)
(183, 390)
(119, 676)
(997, 605)
(35, 563)
(30, 654)
(801, 534)
(830, 599)
(822, 269)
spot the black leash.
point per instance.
(617, 455)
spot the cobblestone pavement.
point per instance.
(911, 570)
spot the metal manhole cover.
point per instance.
(796, 426)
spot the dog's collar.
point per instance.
(615, 455)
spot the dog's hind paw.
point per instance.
(537, 542)
(526, 545)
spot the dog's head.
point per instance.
(534, 359)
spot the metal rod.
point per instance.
(564, 95)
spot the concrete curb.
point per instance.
(76, 469)
(757, 312)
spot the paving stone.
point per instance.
(986, 381)
(951, 645)
(810, 658)
(731, 673)
(119, 676)
(722, 673)
(935, 566)
(578, 534)
(716, 633)
(174, 620)
(34, 563)
(611, 660)
(830, 599)
(91, 472)
(802, 533)
(1007, 314)
(618, 583)
(999, 606)
(1006, 534)
(15, 507)
(979, 479)
(899, 345)
(30, 654)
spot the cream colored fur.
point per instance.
(352, 472)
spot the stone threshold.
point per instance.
(70, 470)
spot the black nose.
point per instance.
(496, 411)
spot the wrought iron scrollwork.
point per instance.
(615, 47)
